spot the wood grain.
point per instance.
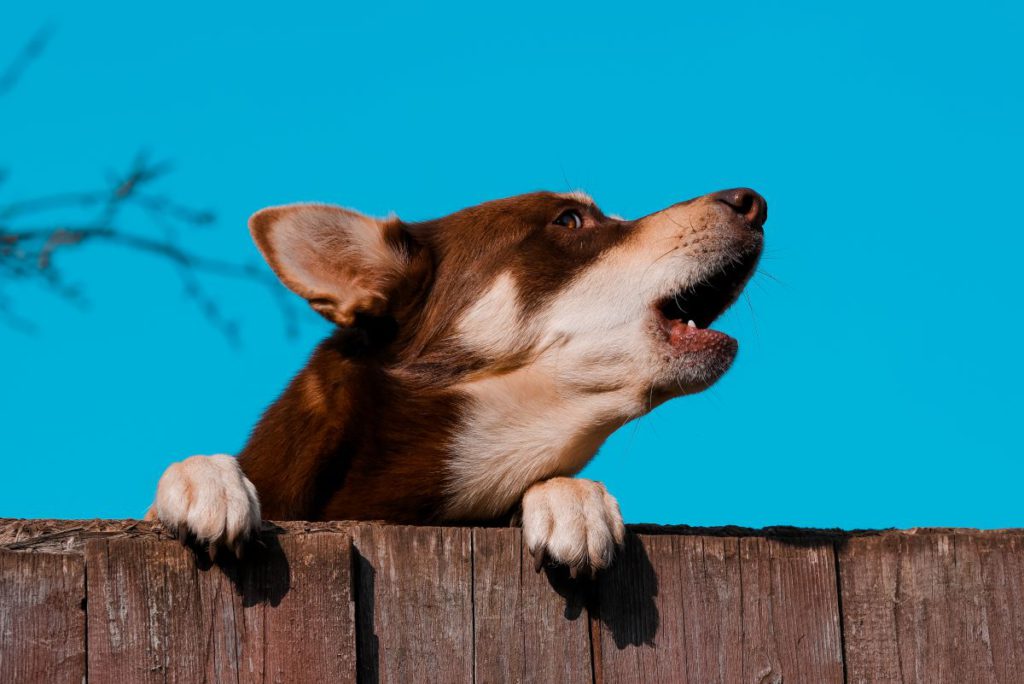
(499, 649)
(716, 609)
(934, 607)
(42, 617)
(414, 601)
(283, 615)
(556, 628)
(528, 626)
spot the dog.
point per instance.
(478, 362)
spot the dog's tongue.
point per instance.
(689, 338)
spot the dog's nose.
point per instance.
(746, 203)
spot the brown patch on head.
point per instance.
(548, 259)
(516, 235)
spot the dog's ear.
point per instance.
(342, 262)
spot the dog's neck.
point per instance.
(329, 447)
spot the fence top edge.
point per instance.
(55, 535)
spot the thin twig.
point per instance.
(31, 51)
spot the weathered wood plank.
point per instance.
(42, 617)
(283, 615)
(704, 609)
(1000, 599)
(934, 607)
(556, 624)
(498, 652)
(639, 613)
(528, 626)
(414, 603)
(790, 611)
(304, 613)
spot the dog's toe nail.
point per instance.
(538, 560)
(573, 571)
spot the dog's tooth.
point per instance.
(691, 324)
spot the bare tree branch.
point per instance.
(29, 253)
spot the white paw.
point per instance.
(573, 522)
(208, 498)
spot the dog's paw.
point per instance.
(572, 522)
(207, 499)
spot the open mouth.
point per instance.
(685, 315)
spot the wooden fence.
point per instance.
(118, 601)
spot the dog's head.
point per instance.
(543, 281)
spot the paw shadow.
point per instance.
(364, 578)
(621, 596)
(578, 593)
(625, 597)
(261, 577)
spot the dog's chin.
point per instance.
(694, 358)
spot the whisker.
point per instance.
(768, 275)
(651, 265)
(753, 316)
(568, 185)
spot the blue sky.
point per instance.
(879, 376)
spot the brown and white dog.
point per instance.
(479, 361)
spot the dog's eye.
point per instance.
(571, 219)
